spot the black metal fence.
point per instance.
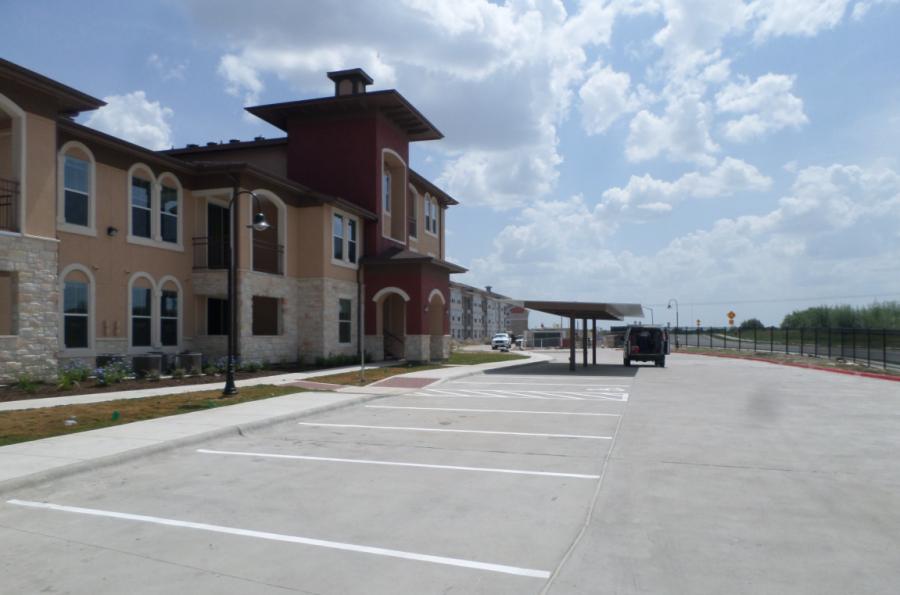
(211, 253)
(878, 347)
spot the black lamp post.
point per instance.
(669, 307)
(259, 224)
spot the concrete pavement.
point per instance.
(29, 463)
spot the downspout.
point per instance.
(360, 331)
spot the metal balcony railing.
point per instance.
(211, 253)
(9, 205)
(268, 257)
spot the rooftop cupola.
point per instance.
(350, 82)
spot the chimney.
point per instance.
(350, 82)
(488, 288)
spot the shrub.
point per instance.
(301, 361)
(178, 373)
(77, 370)
(113, 373)
(266, 365)
(751, 324)
(27, 383)
(154, 375)
(210, 369)
(283, 363)
(321, 362)
(252, 366)
(195, 371)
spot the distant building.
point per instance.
(478, 313)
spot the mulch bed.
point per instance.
(88, 387)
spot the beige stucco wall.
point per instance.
(40, 151)
(113, 260)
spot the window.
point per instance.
(75, 314)
(217, 321)
(338, 237)
(345, 244)
(168, 218)
(141, 316)
(168, 318)
(351, 241)
(76, 182)
(140, 207)
(413, 214)
(427, 215)
(386, 192)
(344, 320)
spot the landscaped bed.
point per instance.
(46, 422)
(372, 375)
(471, 358)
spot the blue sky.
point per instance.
(729, 154)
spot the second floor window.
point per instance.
(77, 182)
(386, 191)
(345, 241)
(351, 241)
(168, 222)
(338, 237)
(140, 207)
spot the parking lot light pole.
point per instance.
(259, 224)
(651, 314)
(669, 307)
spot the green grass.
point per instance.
(46, 422)
(471, 358)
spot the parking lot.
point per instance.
(708, 476)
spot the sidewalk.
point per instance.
(30, 463)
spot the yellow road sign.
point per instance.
(731, 315)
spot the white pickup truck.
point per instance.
(501, 341)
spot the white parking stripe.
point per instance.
(363, 461)
(491, 410)
(290, 538)
(462, 431)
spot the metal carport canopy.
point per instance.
(584, 310)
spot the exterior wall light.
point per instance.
(426, 308)
(112, 231)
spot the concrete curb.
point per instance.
(64, 471)
(804, 366)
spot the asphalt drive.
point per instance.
(718, 476)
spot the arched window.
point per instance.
(413, 214)
(76, 203)
(393, 206)
(76, 311)
(155, 209)
(155, 314)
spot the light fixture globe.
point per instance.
(259, 223)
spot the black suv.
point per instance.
(646, 344)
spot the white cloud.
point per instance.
(605, 97)
(682, 133)
(135, 119)
(161, 66)
(657, 197)
(796, 17)
(243, 79)
(838, 228)
(860, 9)
(771, 102)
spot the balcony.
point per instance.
(268, 257)
(9, 205)
(211, 253)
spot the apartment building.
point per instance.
(110, 248)
(477, 313)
